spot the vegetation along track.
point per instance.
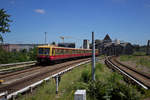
(138, 77)
(34, 75)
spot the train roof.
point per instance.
(52, 46)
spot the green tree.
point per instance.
(4, 23)
(53, 43)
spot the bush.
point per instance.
(86, 76)
(110, 89)
(12, 57)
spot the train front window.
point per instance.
(46, 51)
(40, 50)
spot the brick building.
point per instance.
(18, 47)
(108, 47)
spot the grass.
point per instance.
(79, 78)
(143, 62)
(127, 57)
(139, 54)
(108, 86)
(139, 58)
(66, 91)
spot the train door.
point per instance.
(53, 51)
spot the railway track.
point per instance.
(18, 80)
(12, 67)
(138, 77)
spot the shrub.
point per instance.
(86, 76)
(110, 89)
(12, 57)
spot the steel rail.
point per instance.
(126, 74)
(133, 69)
(9, 96)
(19, 63)
(15, 66)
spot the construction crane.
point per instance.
(64, 37)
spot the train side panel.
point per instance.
(49, 53)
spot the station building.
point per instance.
(109, 47)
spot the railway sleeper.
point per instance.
(126, 78)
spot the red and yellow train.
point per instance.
(48, 53)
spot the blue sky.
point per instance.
(127, 20)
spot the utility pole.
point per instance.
(93, 57)
(57, 83)
(45, 37)
(148, 46)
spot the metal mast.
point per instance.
(45, 37)
(93, 57)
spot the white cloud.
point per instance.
(41, 11)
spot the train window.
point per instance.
(57, 51)
(67, 51)
(46, 51)
(40, 50)
(70, 51)
(78, 51)
(61, 51)
(64, 51)
(75, 51)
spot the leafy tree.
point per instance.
(53, 43)
(4, 23)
